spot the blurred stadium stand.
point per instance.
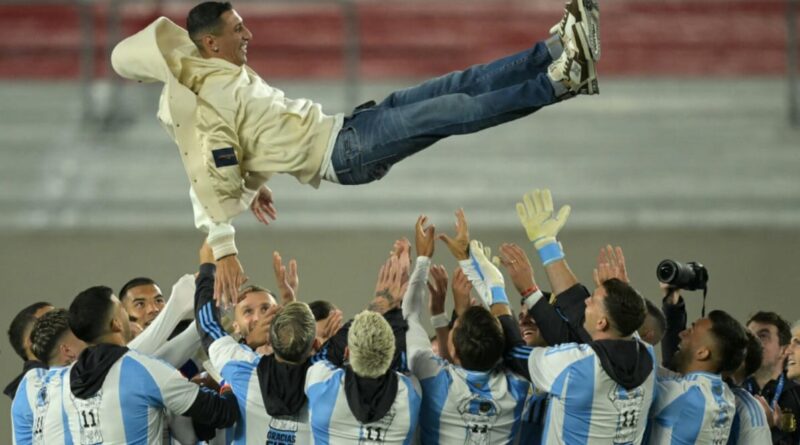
(307, 40)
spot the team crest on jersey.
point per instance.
(282, 431)
(479, 415)
(375, 433)
(42, 401)
(89, 418)
(629, 412)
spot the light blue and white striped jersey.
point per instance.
(458, 406)
(131, 404)
(749, 425)
(50, 410)
(461, 406)
(586, 405)
(24, 404)
(239, 365)
(696, 408)
(531, 424)
(333, 423)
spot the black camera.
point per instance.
(689, 276)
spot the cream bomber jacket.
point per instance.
(233, 131)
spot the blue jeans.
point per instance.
(374, 138)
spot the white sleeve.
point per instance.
(220, 235)
(546, 365)
(226, 350)
(414, 299)
(181, 348)
(180, 306)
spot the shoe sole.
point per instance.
(590, 24)
(591, 80)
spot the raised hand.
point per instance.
(287, 278)
(389, 287)
(424, 237)
(459, 246)
(516, 262)
(461, 291)
(610, 264)
(328, 327)
(536, 215)
(263, 206)
(438, 289)
(230, 276)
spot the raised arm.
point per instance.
(179, 307)
(674, 310)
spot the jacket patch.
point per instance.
(224, 157)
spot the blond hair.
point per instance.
(293, 331)
(371, 344)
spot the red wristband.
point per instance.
(529, 291)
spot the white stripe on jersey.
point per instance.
(239, 365)
(460, 406)
(750, 422)
(51, 410)
(130, 406)
(333, 423)
(23, 406)
(586, 405)
(695, 408)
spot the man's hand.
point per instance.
(402, 250)
(672, 293)
(536, 215)
(389, 287)
(518, 266)
(459, 246)
(286, 278)
(773, 413)
(425, 237)
(230, 276)
(610, 264)
(262, 206)
(259, 332)
(206, 254)
(461, 291)
(328, 327)
(438, 289)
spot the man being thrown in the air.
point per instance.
(234, 131)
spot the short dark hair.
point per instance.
(754, 355)
(46, 333)
(784, 330)
(625, 306)
(655, 312)
(136, 282)
(204, 19)
(90, 311)
(478, 339)
(730, 339)
(21, 325)
(321, 309)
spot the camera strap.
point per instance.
(703, 310)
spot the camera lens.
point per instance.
(667, 271)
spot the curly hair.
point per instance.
(46, 333)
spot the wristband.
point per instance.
(551, 253)
(527, 292)
(440, 321)
(533, 298)
(499, 296)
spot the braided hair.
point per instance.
(46, 333)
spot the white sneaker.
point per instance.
(585, 13)
(574, 70)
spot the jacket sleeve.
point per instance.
(676, 322)
(206, 312)
(516, 353)
(557, 328)
(217, 411)
(178, 307)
